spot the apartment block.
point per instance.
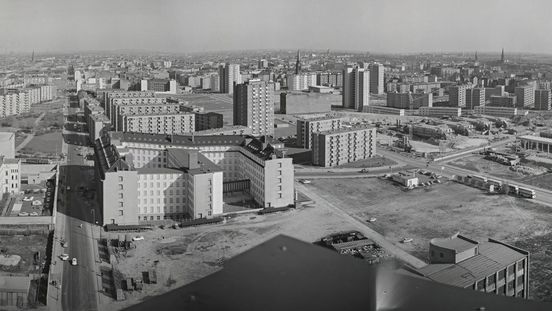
(525, 96)
(229, 74)
(116, 104)
(301, 81)
(491, 267)
(337, 147)
(475, 97)
(543, 99)
(457, 95)
(254, 106)
(14, 102)
(105, 97)
(306, 127)
(356, 88)
(130, 108)
(376, 78)
(165, 123)
(156, 177)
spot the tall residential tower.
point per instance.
(254, 106)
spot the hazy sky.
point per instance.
(210, 25)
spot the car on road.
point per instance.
(68, 188)
(74, 261)
(137, 238)
(304, 181)
(64, 257)
(406, 240)
(64, 244)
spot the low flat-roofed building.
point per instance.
(227, 130)
(440, 111)
(531, 142)
(491, 266)
(14, 290)
(385, 110)
(405, 179)
(506, 112)
(503, 101)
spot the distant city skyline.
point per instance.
(376, 26)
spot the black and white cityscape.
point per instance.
(275, 155)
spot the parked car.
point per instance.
(305, 181)
(64, 257)
(74, 261)
(137, 238)
(64, 244)
(406, 240)
(23, 214)
(372, 219)
(33, 214)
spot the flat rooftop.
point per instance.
(347, 130)
(493, 256)
(457, 243)
(536, 139)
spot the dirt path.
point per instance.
(367, 231)
(30, 136)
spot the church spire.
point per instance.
(475, 56)
(502, 56)
(298, 63)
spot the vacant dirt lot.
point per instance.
(186, 255)
(26, 247)
(442, 210)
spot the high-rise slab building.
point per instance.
(457, 96)
(376, 78)
(525, 96)
(475, 97)
(356, 87)
(228, 75)
(254, 106)
(543, 99)
(306, 127)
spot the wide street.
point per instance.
(79, 290)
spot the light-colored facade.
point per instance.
(332, 148)
(506, 112)
(10, 175)
(525, 96)
(457, 95)
(301, 81)
(306, 127)
(356, 88)
(228, 75)
(543, 99)
(376, 78)
(254, 106)
(108, 97)
(440, 111)
(116, 104)
(183, 176)
(226, 130)
(475, 97)
(14, 103)
(385, 110)
(169, 124)
(531, 142)
(132, 108)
